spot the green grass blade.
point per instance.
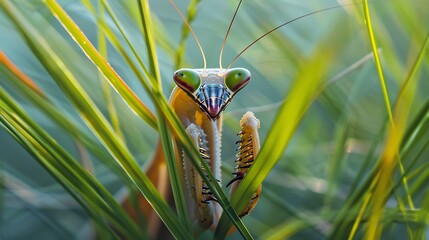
(146, 21)
(286, 229)
(166, 139)
(190, 17)
(377, 59)
(102, 48)
(385, 92)
(127, 94)
(415, 125)
(144, 80)
(173, 173)
(335, 166)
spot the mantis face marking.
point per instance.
(212, 89)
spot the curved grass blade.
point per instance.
(95, 216)
(390, 157)
(146, 22)
(127, 94)
(144, 79)
(377, 59)
(102, 46)
(173, 173)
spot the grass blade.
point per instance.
(150, 41)
(377, 59)
(128, 95)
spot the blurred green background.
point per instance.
(337, 143)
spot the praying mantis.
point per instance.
(199, 98)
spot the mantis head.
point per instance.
(212, 89)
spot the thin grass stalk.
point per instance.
(335, 166)
(377, 59)
(147, 80)
(146, 22)
(190, 16)
(102, 48)
(166, 136)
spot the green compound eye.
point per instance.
(237, 78)
(187, 79)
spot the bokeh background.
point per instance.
(331, 154)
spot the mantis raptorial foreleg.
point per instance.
(201, 210)
(247, 152)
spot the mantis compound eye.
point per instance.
(236, 79)
(187, 79)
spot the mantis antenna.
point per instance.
(281, 25)
(192, 32)
(227, 33)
